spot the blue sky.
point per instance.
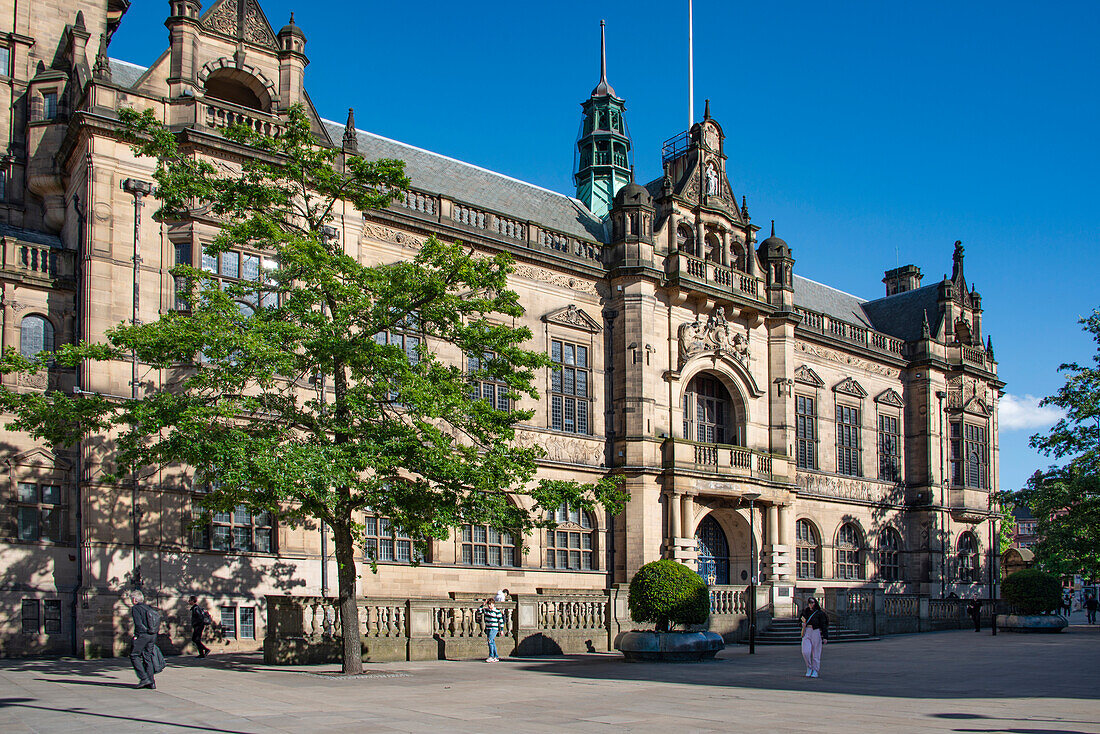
(874, 133)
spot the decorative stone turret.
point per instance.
(351, 137)
(900, 280)
(183, 29)
(778, 271)
(292, 63)
(604, 146)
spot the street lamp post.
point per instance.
(139, 190)
(752, 497)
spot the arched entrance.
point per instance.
(714, 552)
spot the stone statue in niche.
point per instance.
(712, 181)
(716, 336)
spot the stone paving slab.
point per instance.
(939, 682)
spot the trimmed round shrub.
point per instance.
(1032, 591)
(668, 593)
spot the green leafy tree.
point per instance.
(298, 404)
(1005, 503)
(1066, 498)
(668, 593)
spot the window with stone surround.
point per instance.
(889, 448)
(966, 559)
(571, 545)
(385, 542)
(486, 546)
(709, 415)
(969, 455)
(239, 531)
(847, 441)
(570, 391)
(35, 335)
(49, 105)
(38, 512)
(805, 410)
(889, 555)
(484, 386)
(807, 551)
(849, 552)
(249, 270)
(5, 61)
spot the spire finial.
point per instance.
(773, 228)
(102, 68)
(603, 53)
(706, 110)
(744, 208)
(925, 329)
(291, 17)
(351, 137)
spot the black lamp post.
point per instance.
(752, 497)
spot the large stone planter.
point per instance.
(672, 647)
(1031, 622)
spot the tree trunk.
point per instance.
(349, 610)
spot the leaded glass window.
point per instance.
(889, 555)
(889, 448)
(849, 554)
(808, 550)
(571, 545)
(35, 335)
(570, 396)
(806, 431)
(486, 546)
(847, 441)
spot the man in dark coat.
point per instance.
(974, 609)
(144, 651)
(1090, 609)
(199, 619)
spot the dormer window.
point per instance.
(49, 105)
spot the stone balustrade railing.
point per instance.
(723, 277)
(27, 260)
(859, 335)
(728, 600)
(718, 458)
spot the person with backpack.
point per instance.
(145, 656)
(200, 620)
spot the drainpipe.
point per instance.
(78, 585)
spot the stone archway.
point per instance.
(722, 543)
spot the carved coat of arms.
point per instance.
(714, 336)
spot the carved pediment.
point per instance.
(890, 397)
(242, 19)
(807, 376)
(41, 458)
(978, 407)
(716, 336)
(574, 318)
(849, 386)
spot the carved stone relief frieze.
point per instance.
(573, 317)
(847, 359)
(566, 449)
(388, 234)
(716, 335)
(841, 488)
(560, 280)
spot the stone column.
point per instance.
(687, 513)
(674, 523)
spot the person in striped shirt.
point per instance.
(493, 621)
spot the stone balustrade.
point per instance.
(28, 261)
(697, 270)
(852, 333)
(720, 458)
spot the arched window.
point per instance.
(966, 560)
(486, 546)
(571, 545)
(714, 552)
(714, 248)
(685, 239)
(737, 257)
(35, 335)
(808, 550)
(849, 553)
(237, 87)
(710, 415)
(889, 555)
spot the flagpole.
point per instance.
(691, 68)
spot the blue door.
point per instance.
(714, 552)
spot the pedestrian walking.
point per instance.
(145, 656)
(1090, 608)
(815, 633)
(974, 609)
(1067, 602)
(493, 621)
(200, 620)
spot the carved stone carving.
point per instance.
(567, 449)
(226, 18)
(846, 359)
(716, 336)
(847, 489)
(807, 376)
(849, 386)
(223, 18)
(36, 381)
(556, 279)
(890, 397)
(573, 317)
(387, 234)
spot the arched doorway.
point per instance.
(714, 552)
(711, 414)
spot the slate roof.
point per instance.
(900, 315)
(814, 296)
(439, 174)
(124, 74)
(26, 235)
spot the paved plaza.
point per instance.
(955, 681)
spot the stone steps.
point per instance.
(789, 632)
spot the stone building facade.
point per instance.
(857, 437)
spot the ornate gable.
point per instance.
(574, 318)
(243, 19)
(41, 458)
(807, 376)
(978, 407)
(890, 397)
(849, 386)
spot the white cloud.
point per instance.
(1025, 412)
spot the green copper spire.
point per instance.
(604, 144)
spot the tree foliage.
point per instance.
(1066, 498)
(1033, 591)
(668, 593)
(284, 393)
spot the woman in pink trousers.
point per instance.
(815, 633)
